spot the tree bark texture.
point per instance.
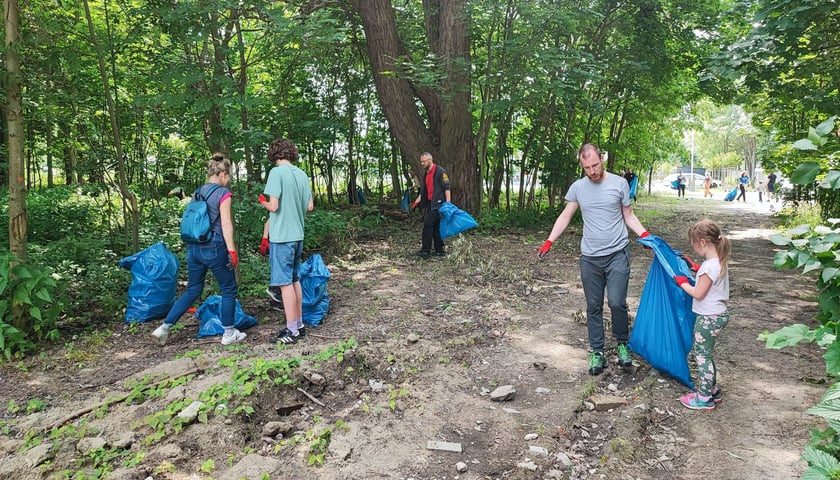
(446, 131)
(14, 122)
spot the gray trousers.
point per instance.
(613, 273)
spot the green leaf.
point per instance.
(789, 336)
(829, 274)
(781, 260)
(826, 410)
(823, 465)
(805, 173)
(35, 312)
(826, 127)
(779, 239)
(831, 180)
(800, 230)
(832, 360)
(811, 265)
(833, 392)
(804, 144)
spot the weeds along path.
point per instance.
(433, 340)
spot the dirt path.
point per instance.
(435, 338)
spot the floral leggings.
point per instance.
(706, 330)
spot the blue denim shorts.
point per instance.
(284, 261)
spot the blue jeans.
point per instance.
(284, 261)
(212, 255)
(613, 273)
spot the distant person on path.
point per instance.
(631, 177)
(681, 182)
(217, 255)
(771, 186)
(707, 185)
(604, 202)
(287, 197)
(760, 189)
(433, 192)
(711, 295)
(743, 181)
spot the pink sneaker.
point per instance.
(693, 401)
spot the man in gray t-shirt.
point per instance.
(604, 201)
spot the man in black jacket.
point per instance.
(433, 192)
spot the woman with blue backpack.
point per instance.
(215, 252)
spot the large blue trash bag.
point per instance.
(152, 290)
(406, 201)
(209, 316)
(663, 332)
(313, 281)
(731, 195)
(634, 185)
(453, 220)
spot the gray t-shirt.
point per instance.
(604, 230)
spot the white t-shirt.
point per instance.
(716, 299)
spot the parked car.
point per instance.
(698, 180)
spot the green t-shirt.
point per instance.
(291, 186)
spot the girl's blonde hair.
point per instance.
(709, 231)
(218, 163)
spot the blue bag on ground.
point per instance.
(155, 279)
(209, 316)
(731, 195)
(453, 220)
(313, 281)
(663, 331)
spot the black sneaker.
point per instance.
(423, 254)
(440, 254)
(302, 331)
(276, 306)
(275, 294)
(285, 337)
(597, 362)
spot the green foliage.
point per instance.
(816, 250)
(497, 218)
(28, 310)
(325, 230)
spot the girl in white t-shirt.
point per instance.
(711, 294)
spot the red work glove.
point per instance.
(264, 246)
(233, 259)
(414, 205)
(262, 199)
(680, 279)
(545, 248)
(693, 266)
(643, 235)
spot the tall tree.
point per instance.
(444, 127)
(14, 119)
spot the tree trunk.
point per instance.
(449, 136)
(14, 123)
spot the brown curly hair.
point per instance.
(282, 148)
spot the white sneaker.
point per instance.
(160, 334)
(235, 337)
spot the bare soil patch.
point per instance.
(486, 315)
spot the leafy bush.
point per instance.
(27, 309)
(815, 249)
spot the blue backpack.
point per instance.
(196, 226)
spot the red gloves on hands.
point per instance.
(680, 279)
(264, 246)
(693, 266)
(414, 205)
(545, 248)
(233, 259)
(644, 234)
(262, 199)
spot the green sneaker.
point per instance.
(597, 362)
(624, 358)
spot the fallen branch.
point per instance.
(310, 397)
(111, 400)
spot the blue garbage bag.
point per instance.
(152, 290)
(731, 195)
(406, 201)
(209, 316)
(453, 220)
(663, 331)
(634, 184)
(313, 281)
